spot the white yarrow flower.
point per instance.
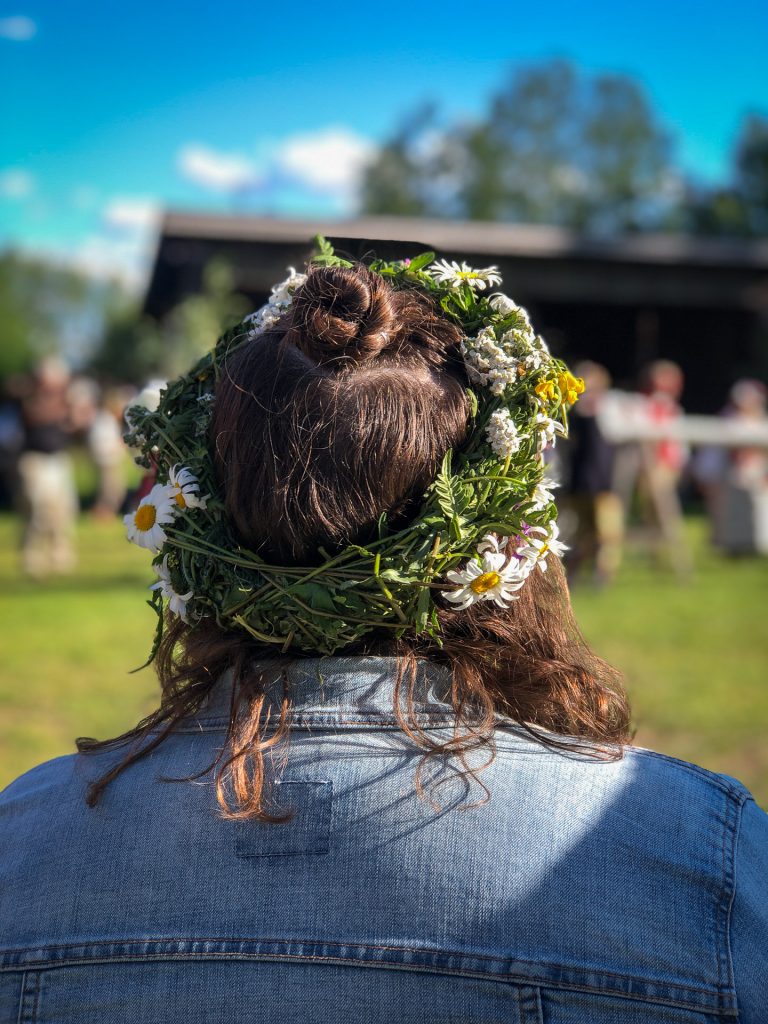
(283, 293)
(490, 576)
(503, 305)
(279, 301)
(502, 433)
(490, 362)
(185, 488)
(456, 274)
(145, 524)
(176, 602)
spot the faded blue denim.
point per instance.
(585, 892)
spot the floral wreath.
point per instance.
(485, 523)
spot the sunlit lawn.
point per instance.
(695, 656)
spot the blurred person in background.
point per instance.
(47, 499)
(108, 451)
(598, 528)
(662, 462)
(743, 505)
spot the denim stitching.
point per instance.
(362, 946)
(518, 980)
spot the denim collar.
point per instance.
(341, 691)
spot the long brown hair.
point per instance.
(338, 414)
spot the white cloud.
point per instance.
(132, 213)
(327, 163)
(18, 28)
(16, 183)
(221, 172)
(330, 160)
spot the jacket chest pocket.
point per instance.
(308, 831)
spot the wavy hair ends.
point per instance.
(343, 411)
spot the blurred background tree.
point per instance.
(559, 146)
(44, 309)
(134, 347)
(555, 147)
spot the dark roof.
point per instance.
(538, 262)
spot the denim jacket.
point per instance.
(584, 891)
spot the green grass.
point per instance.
(694, 656)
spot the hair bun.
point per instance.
(342, 312)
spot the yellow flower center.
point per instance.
(482, 584)
(145, 517)
(179, 496)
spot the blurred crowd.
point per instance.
(627, 462)
(44, 417)
(630, 460)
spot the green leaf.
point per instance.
(423, 608)
(421, 261)
(473, 404)
(324, 255)
(395, 576)
(452, 497)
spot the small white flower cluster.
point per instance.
(457, 274)
(490, 361)
(495, 574)
(498, 363)
(280, 300)
(503, 435)
(156, 510)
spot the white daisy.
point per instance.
(538, 548)
(184, 488)
(503, 435)
(457, 274)
(145, 524)
(542, 493)
(488, 577)
(548, 429)
(176, 602)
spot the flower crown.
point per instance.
(485, 523)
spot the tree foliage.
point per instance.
(558, 146)
(44, 308)
(555, 146)
(135, 347)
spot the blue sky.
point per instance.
(111, 112)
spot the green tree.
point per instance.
(556, 146)
(738, 208)
(134, 347)
(401, 179)
(751, 173)
(45, 308)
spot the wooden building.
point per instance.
(623, 302)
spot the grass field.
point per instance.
(695, 656)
